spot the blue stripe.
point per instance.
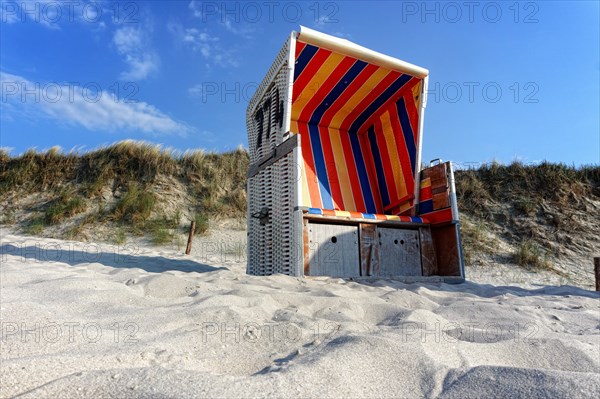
(378, 167)
(409, 137)
(363, 177)
(303, 59)
(425, 207)
(315, 211)
(337, 91)
(368, 216)
(416, 219)
(320, 167)
(379, 101)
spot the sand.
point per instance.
(96, 320)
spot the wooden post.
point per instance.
(188, 248)
(597, 272)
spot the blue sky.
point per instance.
(507, 80)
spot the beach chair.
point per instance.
(336, 185)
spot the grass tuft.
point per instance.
(120, 236)
(529, 254)
(475, 240)
(64, 207)
(202, 224)
(8, 218)
(35, 226)
(135, 206)
(162, 230)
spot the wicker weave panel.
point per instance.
(271, 246)
(268, 105)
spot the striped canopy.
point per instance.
(358, 125)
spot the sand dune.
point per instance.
(103, 321)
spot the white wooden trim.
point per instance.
(346, 47)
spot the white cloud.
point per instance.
(47, 13)
(196, 90)
(209, 46)
(200, 41)
(132, 44)
(342, 35)
(74, 105)
(196, 12)
(127, 39)
(324, 20)
(54, 13)
(212, 11)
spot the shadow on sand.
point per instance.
(481, 290)
(125, 257)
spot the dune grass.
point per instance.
(216, 182)
(125, 184)
(35, 226)
(135, 206)
(528, 206)
(202, 224)
(65, 206)
(218, 179)
(524, 185)
(528, 254)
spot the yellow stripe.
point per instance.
(405, 206)
(304, 180)
(390, 141)
(426, 182)
(392, 217)
(294, 127)
(342, 170)
(345, 214)
(416, 90)
(305, 193)
(315, 83)
(357, 97)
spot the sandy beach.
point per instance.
(97, 320)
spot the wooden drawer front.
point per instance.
(399, 252)
(333, 250)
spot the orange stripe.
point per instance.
(386, 163)
(402, 150)
(309, 72)
(413, 114)
(325, 87)
(347, 94)
(407, 88)
(357, 95)
(359, 201)
(369, 98)
(365, 145)
(294, 127)
(309, 167)
(319, 78)
(390, 140)
(342, 169)
(332, 174)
